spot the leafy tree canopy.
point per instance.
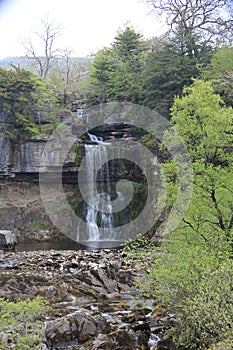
(115, 74)
(167, 70)
(220, 73)
(22, 94)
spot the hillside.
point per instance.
(25, 62)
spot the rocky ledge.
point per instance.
(94, 302)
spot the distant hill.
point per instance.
(22, 61)
(27, 63)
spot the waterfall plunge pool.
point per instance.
(66, 244)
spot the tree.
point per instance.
(115, 73)
(220, 73)
(196, 21)
(98, 83)
(47, 36)
(206, 126)
(65, 77)
(167, 70)
(127, 43)
(129, 51)
(22, 94)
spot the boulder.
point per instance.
(7, 240)
(78, 327)
(166, 343)
(118, 340)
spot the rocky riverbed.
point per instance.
(94, 302)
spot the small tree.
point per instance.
(206, 126)
(47, 36)
(21, 95)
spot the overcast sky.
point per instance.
(87, 25)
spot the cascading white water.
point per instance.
(98, 220)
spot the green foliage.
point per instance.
(65, 78)
(213, 322)
(206, 126)
(194, 281)
(167, 70)
(17, 99)
(23, 321)
(132, 70)
(220, 74)
(79, 153)
(39, 225)
(140, 249)
(115, 73)
(22, 96)
(191, 272)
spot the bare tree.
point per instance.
(47, 36)
(207, 19)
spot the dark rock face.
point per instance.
(21, 160)
(7, 240)
(119, 340)
(20, 165)
(78, 326)
(22, 211)
(166, 344)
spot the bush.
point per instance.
(22, 323)
(195, 282)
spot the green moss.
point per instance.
(40, 225)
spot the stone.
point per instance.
(7, 240)
(77, 326)
(80, 317)
(165, 343)
(58, 330)
(118, 340)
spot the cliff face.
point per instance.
(21, 207)
(20, 160)
(19, 157)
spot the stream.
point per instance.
(88, 283)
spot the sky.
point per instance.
(87, 25)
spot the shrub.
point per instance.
(195, 282)
(22, 323)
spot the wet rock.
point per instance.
(7, 240)
(58, 331)
(165, 343)
(94, 302)
(119, 340)
(77, 326)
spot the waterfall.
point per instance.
(99, 220)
